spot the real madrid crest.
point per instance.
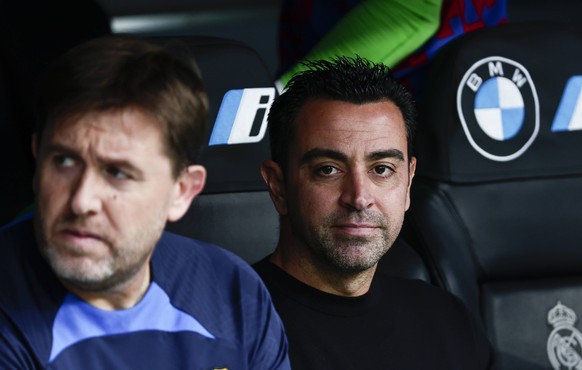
(565, 341)
(498, 107)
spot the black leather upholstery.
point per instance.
(234, 210)
(497, 200)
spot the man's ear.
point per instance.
(273, 176)
(411, 171)
(188, 185)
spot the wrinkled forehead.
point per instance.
(354, 129)
(129, 130)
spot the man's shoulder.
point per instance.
(415, 296)
(263, 266)
(415, 290)
(275, 278)
(182, 248)
(30, 295)
(19, 231)
(207, 266)
(19, 255)
(210, 283)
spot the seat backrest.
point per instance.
(235, 210)
(497, 200)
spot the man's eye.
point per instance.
(327, 170)
(64, 161)
(117, 173)
(383, 170)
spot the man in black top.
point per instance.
(340, 177)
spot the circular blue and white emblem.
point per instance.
(498, 108)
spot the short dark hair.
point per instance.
(350, 79)
(119, 72)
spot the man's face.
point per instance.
(104, 190)
(348, 181)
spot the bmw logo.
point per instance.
(498, 108)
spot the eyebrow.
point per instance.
(389, 153)
(334, 154)
(119, 163)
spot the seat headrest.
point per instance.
(504, 103)
(240, 90)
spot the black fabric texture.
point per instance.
(399, 324)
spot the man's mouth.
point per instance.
(79, 239)
(357, 228)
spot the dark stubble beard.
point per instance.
(351, 254)
(123, 266)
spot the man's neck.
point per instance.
(324, 278)
(122, 296)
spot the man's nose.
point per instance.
(86, 198)
(357, 192)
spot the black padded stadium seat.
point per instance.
(235, 210)
(497, 200)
